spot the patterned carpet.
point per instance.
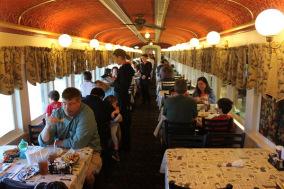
(138, 168)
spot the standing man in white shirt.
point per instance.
(87, 85)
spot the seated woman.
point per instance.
(203, 93)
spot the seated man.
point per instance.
(73, 126)
(102, 112)
(180, 108)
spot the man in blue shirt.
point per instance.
(73, 126)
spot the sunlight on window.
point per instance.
(240, 102)
(99, 73)
(35, 100)
(223, 92)
(60, 85)
(78, 80)
(7, 115)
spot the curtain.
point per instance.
(258, 67)
(39, 68)
(11, 69)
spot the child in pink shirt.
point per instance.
(53, 98)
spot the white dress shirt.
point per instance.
(86, 88)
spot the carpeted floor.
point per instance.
(138, 168)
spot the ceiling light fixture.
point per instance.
(94, 43)
(213, 38)
(147, 35)
(269, 23)
(108, 46)
(194, 42)
(64, 40)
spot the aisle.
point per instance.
(138, 168)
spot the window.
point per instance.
(223, 92)
(60, 85)
(7, 114)
(240, 102)
(36, 100)
(78, 80)
(99, 73)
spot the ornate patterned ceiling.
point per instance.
(184, 18)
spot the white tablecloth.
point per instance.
(206, 168)
(74, 181)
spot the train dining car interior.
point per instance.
(158, 94)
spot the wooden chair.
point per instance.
(225, 140)
(34, 131)
(183, 135)
(212, 125)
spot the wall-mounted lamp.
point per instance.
(269, 23)
(213, 38)
(94, 43)
(194, 42)
(147, 35)
(108, 46)
(151, 43)
(64, 40)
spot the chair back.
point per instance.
(34, 131)
(167, 85)
(225, 140)
(7, 183)
(183, 135)
(212, 125)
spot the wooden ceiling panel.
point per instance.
(77, 18)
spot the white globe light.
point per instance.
(213, 38)
(64, 40)
(151, 43)
(136, 47)
(108, 46)
(194, 42)
(269, 22)
(94, 43)
(147, 35)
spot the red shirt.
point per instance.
(222, 117)
(225, 117)
(53, 106)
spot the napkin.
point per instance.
(237, 163)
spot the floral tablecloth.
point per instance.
(74, 181)
(212, 168)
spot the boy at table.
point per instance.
(74, 126)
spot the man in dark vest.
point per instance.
(145, 70)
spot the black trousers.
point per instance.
(145, 87)
(125, 125)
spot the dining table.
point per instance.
(199, 168)
(75, 180)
